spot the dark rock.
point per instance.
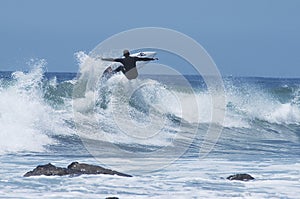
(81, 168)
(47, 170)
(242, 177)
(112, 197)
(74, 168)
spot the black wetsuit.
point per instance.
(129, 65)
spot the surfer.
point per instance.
(128, 66)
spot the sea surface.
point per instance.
(152, 128)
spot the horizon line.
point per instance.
(188, 74)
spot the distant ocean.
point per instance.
(260, 136)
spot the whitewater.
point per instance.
(152, 128)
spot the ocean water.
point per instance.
(152, 128)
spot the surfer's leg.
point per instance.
(120, 68)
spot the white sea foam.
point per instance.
(249, 103)
(184, 179)
(26, 121)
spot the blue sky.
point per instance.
(244, 38)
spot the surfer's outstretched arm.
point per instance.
(146, 59)
(107, 59)
(112, 59)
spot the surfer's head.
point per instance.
(126, 53)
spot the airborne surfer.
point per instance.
(128, 66)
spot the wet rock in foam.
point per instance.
(241, 177)
(74, 168)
